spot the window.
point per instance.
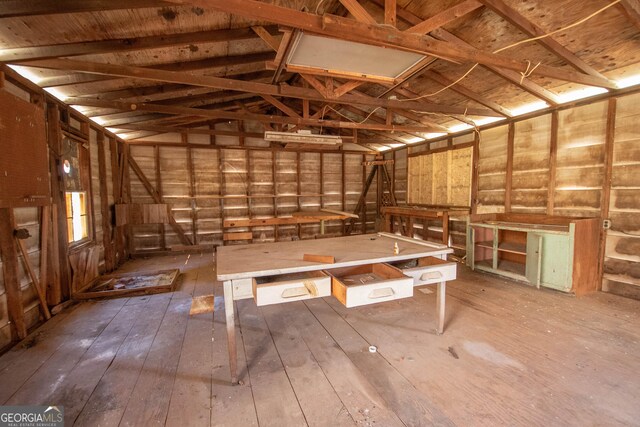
(76, 176)
(77, 221)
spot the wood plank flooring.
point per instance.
(511, 355)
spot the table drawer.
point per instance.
(428, 270)
(291, 287)
(369, 284)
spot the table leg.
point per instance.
(322, 227)
(440, 304)
(231, 330)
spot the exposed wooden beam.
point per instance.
(216, 114)
(280, 106)
(12, 8)
(346, 88)
(358, 12)
(631, 9)
(462, 90)
(352, 30)
(127, 44)
(515, 18)
(444, 17)
(390, 12)
(241, 86)
(511, 76)
(266, 37)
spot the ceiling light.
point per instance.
(302, 137)
(322, 55)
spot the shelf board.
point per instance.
(514, 268)
(485, 244)
(513, 247)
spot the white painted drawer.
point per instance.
(369, 284)
(428, 270)
(291, 287)
(242, 289)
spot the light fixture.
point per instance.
(302, 137)
(314, 54)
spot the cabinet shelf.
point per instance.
(513, 247)
(487, 244)
(504, 265)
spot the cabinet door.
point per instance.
(557, 262)
(534, 258)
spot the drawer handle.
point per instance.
(431, 275)
(381, 293)
(309, 289)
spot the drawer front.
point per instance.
(431, 270)
(373, 293)
(242, 289)
(284, 289)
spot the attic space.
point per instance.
(320, 212)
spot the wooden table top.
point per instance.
(265, 259)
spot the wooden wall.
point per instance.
(56, 283)
(205, 185)
(576, 161)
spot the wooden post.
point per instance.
(192, 196)
(474, 173)
(104, 205)
(274, 174)
(445, 228)
(60, 276)
(45, 220)
(156, 159)
(343, 187)
(299, 189)
(509, 173)
(10, 274)
(364, 204)
(116, 173)
(606, 185)
(553, 153)
(221, 190)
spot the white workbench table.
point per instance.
(237, 266)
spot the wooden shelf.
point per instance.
(504, 265)
(487, 244)
(513, 247)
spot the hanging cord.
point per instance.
(529, 69)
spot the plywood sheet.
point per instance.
(23, 141)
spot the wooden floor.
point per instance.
(510, 355)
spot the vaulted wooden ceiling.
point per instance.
(145, 67)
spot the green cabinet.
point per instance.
(537, 249)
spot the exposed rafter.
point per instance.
(349, 29)
(11, 8)
(528, 27)
(445, 17)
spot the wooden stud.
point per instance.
(10, 274)
(606, 185)
(509, 172)
(299, 189)
(115, 177)
(156, 161)
(104, 203)
(274, 174)
(192, 196)
(60, 277)
(45, 222)
(474, 173)
(221, 188)
(343, 188)
(553, 154)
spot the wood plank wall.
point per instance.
(576, 161)
(30, 218)
(239, 183)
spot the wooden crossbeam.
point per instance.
(241, 86)
(158, 199)
(280, 106)
(390, 12)
(352, 30)
(358, 12)
(444, 17)
(128, 44)
(12, 8)
(217, 114)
